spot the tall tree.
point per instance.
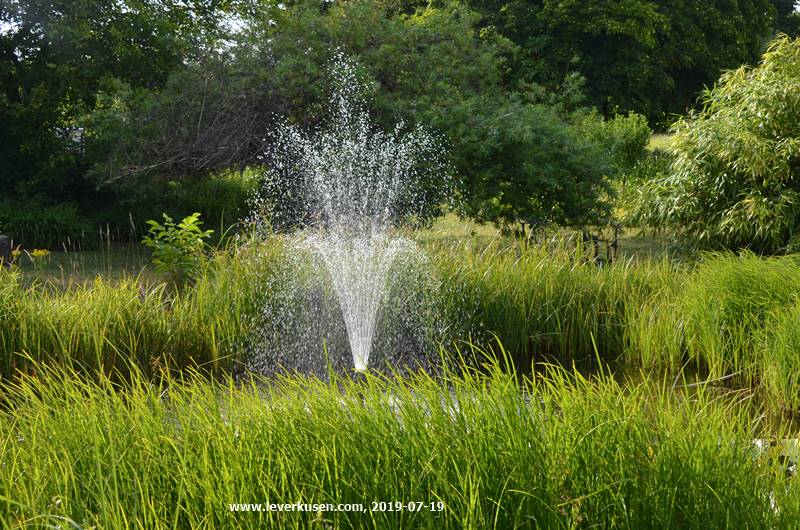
(55, 55)
(650, 56)
(787, 17)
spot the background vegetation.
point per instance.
(124, 109)
(728, 316)
(735, 178)
(124, 398)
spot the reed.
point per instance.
(727, 315)
(545, 304)
(560, 451)
(727, 306)
(109, 325)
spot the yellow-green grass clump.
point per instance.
(558, 452)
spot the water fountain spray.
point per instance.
(355, 183)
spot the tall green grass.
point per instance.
(733, 317)
(780, 357)
(544, 304)
(34, 225)
(574, 454)
(727, 307)
(107, 326)
(727, 315)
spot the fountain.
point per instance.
(350, 184)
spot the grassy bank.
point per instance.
(545, 304)
(732, 317)
(108, 326)
(576, 454)
(729, 316)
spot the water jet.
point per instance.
(349, 185)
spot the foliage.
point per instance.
(727, 308)
(82, 120)
(58, 54)
(218, 113)
(624, 137)
(649, 56)
(634, 183)
(735, 180)
(787, 17)
(627, 137)
(727, 316)
(561, 452)
(428, 66)
(524, 164)
(221, 199)
(177, 249)
(32, 224)
(39, 257)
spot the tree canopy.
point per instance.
(58, 55)
(103, 99)
(648, 56)
(735, 180)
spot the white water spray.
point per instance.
(354, 183)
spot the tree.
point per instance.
(516, 154)
(649, 56)
(787, 17)
(56, 55)
(701, 41)
(735, 181)
(527, 166)
(520, 156)
(208, 117)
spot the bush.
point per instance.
(735, 181)
(524, 164)
(222, 200)
(635, 186)
(624, 137)
(33, 225)
(178, 250)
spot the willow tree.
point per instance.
(735, 179)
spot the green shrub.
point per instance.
(178, 250)
(637, 185)
(34, 225)
(735, 180)
(654, 165)
(628, 135)
(526, 165)
(624, 137)
(222, 200)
